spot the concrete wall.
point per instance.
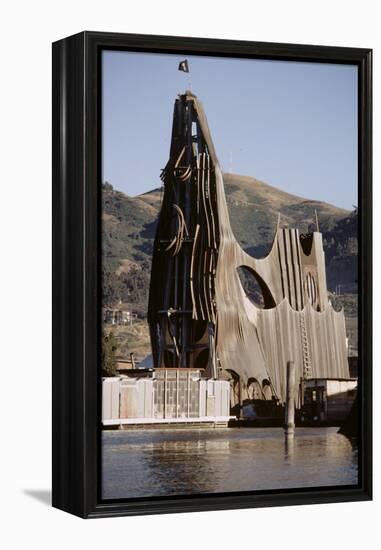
(217, 398)
(136, 398)
(172, 393)
(110, 398)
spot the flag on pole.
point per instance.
(183, 66)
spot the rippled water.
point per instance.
(181, 462)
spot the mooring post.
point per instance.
(240, 398)
(289, 424)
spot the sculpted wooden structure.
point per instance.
(199, 313)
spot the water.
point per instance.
(146, 463)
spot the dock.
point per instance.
(172, 423)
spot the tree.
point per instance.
(111, 287)
(109, 346)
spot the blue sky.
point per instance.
(290, 124)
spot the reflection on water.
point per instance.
(180, 462)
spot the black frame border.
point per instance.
(76, 207)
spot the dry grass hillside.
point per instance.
(129, 225)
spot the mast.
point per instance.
(181, 306)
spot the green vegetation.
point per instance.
(109, 347)
(341, 254)
(348, 302)
(128, 286)
(131, 338)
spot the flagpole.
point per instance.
(183, 66)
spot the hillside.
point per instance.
(254, 207)
(129, 225)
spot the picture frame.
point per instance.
(76, 153)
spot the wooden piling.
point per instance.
(289, 424)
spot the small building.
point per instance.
(327, 399)
(118, 317)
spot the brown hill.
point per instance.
(129, 225)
